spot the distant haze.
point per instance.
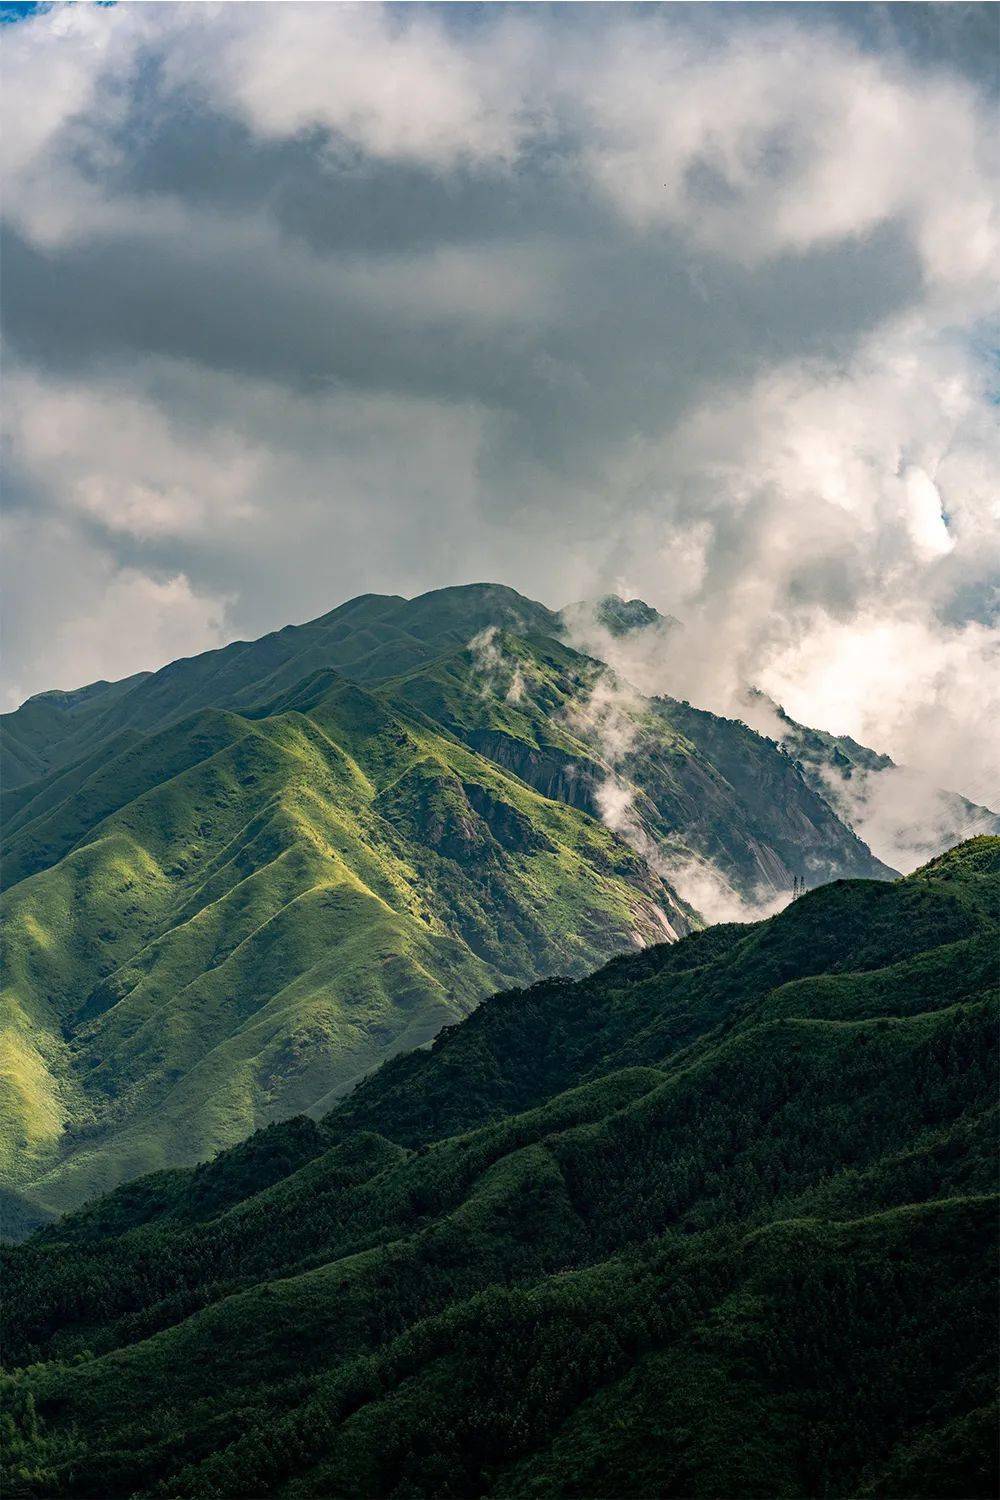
(691, 303)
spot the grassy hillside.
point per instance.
(233, 919)
(718, 1220)
(367, 639)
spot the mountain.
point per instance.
(900, 812)
(681, 785)
(616, 615)
(718, 1220)
(234, 918)
(367, 639)
(894, 808)
(238, 884)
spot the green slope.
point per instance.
(699, 785)
(718, 1220)
(233, 919)
(368, 638)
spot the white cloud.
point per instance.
(609, 719)
(139, 623)
(925, 515)
(67, 72)
(394, 83)
(390, 84)
(702, 885)
(928, 695)
(496, 672)
(114, 456)
(267, 487)
(903, 817)
(74, 616)
(841, 515)
(785, 137)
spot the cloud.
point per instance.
(687, 302)
(755, 152)
(139, 623)
(121, 463)
(608, 718)
(696, 880)
(387, 82)
(702, 885)
(841, 525)
(76, 617)
(233, 484)
(901, 682)
(903, 817)
(68, 71)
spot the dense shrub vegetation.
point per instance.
(719, 1220)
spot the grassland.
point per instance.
(235, 918)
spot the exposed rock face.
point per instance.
(435, 810)
(553, 772)
(511, 829)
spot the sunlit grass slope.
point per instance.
(718, 1220)
(234, 918)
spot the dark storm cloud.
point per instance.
(632, 328)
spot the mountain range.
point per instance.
(900, 811)
(896, 807)
(238, 884)
(719, 1219)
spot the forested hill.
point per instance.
(719, 1220)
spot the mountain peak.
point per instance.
(617, 615)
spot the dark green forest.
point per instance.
(718, 1220)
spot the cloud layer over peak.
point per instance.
(692, 302)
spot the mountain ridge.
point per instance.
(65, 720)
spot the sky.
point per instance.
(692, 303)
